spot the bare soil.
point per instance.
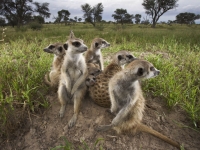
(46, 130)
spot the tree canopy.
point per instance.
(186, 18)
(137, 18)
(92, 14)
(63, 16)
(156, 8)
(121, 16)
(18, 12)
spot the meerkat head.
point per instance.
(56, 48)
(93, 69)
(123, 57)
(90, 80)
(99, 43)
(74, 45)
(143, 69)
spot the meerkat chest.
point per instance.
(98, 52)
(74, 73)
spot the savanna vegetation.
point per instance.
(174, 50)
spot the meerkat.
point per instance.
(93, 69)
(72, 85)
(54, 75)
(94, 55)
(127, 101)
(99, 91)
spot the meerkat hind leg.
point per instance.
(78, 95)
(62, 94)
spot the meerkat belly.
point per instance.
(74, 75)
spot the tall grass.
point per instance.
(175, 50)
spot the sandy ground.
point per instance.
(47, 130)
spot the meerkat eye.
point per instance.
(51, 46)
(96, 44)
(140, 71)
(76, 44)
(152, 68)
(103, 42)
(120, 57)
(65, 46)
(129, 56)
(60, 49)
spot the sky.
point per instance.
(132, 7)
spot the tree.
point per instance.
(79, 19)
(137, 18)
(92, 14)
(63, 16)
(39, 19)
(20, 11)
(2, 22)
(186, 18)
(121, 16)
(42, 9)
(156, 8)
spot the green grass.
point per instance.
(174, 50)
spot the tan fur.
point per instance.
(127, 101)
(54, 75)
(94, 55)
(99, 91)
(72, 87)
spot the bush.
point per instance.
(35, 25)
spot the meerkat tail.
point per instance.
(146, 129)
(46, 80)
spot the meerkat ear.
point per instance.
(65, 46)
(71, 36)
(96, 44)
(119, 57)
(140, 71)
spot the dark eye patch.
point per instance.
(96, 44)
(152, 68)
(60, 49)
(140, 71)
(76, 44)
(129, 56)
(51, 46)
(103, 42)
(120, 57)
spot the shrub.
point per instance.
(35, 25)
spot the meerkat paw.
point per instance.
(62, 111)
(103, 128)
(109, 111)
(72, 121)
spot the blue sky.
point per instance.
(132, 7)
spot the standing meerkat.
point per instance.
(127, 101)
(99, 91)
(72, 85)
(54, 75)
(94, 55)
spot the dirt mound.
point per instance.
(46, 131)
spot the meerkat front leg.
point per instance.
(101, 63)
(80, 80)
